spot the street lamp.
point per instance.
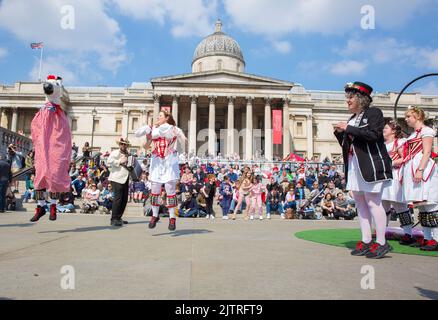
(94, 113)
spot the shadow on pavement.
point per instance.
(96, 228)
(186, 232)
(22, 225)
(428, 293)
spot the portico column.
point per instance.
(192, 125)
(175, 108)
(125, 123)
(230, 127)
(286, 133)
(156, 107)
(268, 130)
(309, 136)
(144, 114)
(14, 119)
(249, 126)
(211, 126)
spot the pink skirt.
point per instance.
(51, 138)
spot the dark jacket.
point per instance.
(369, 146)
(5, 171)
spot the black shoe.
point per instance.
(125, 222)
(153, 222)
(407, 240)
(361, 249)
(116, 223)
(2, 211)
(378, 251)
(172, 224)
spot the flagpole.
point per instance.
(41, 59)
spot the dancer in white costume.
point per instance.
(164, 166)
(392, 196)
(420, 176)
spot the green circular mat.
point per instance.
(348, 238)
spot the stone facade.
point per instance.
(220, 109)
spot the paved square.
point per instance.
(202, 259)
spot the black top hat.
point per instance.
(360, 87)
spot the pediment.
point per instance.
(221, 78)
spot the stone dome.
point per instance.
(218, 44)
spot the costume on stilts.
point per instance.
(51, 137)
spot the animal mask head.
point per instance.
(52, 89)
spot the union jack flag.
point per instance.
(36, 45)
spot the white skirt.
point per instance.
(394, 191)
(356, 181)
(164, 170)
(423, 191)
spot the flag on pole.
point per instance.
(37, 45)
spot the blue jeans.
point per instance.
(3, 188)
(225, 204)
(274, 207)
(63, 208)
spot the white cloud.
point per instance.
(281, 17)
(390, 50)
(431, 88)
(283, 47)
(3, 52)
(348, 67)
(95, 33)
(186, 17)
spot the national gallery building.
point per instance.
(220, 108)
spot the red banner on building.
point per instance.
(277, 128)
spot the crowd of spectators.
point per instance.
(292, 190)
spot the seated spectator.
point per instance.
(328, 206)
(66, 202)
(29, 194)
(189, 208)
(107, 198)
(138, 187)
(78, 186)
(90, 200)
(274, 203)
(290, 206)
(332, 189)
(11, 201)
(202, 205)
(73, 172)
(343, 209)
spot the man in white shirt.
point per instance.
(119, 177)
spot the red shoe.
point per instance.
(407, 240)
(431, 245)
(153, 222)
(52, 216)
(420, 243)
(39, 212)
(172, 224)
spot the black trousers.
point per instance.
(120, 199)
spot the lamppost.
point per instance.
(94, 113)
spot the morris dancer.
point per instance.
(420, 176)
(164, 166)
(392, 197)
(367, 166)
(51, 137)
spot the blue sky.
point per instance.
(318, 43)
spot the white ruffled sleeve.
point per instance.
(143, 131)
(428, 132)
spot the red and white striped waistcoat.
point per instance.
(412, 147)
(163, 147)
(394, 152)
